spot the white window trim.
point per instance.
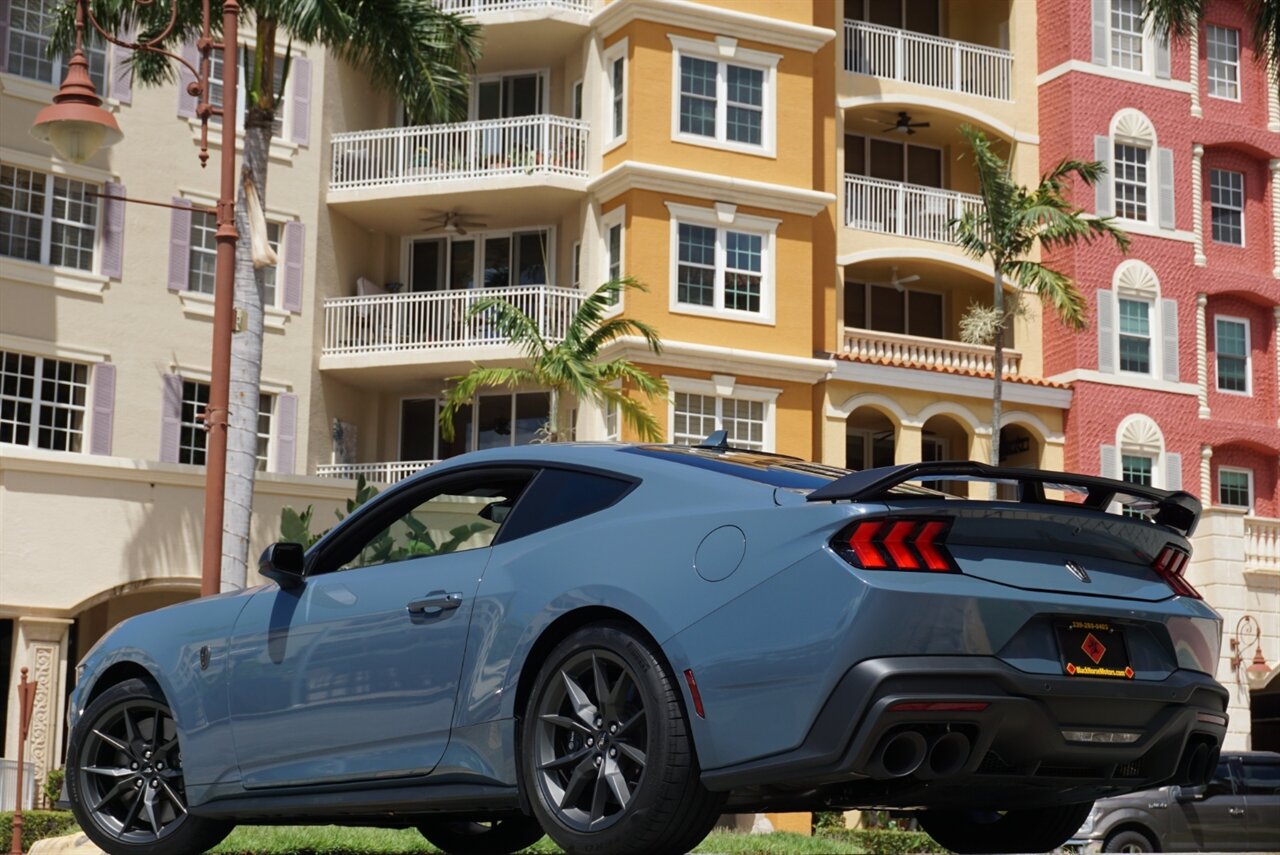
(724, 51)
(618, 50)
(1153, 331)
(615, 217)
(724, 216)
(1152, 184)
(38, 403)
(544, 88)
(1243, 196)
(1148, 48)
(1208, 64)
(1239, 470)
(723, 386)
(269, 463)
(46, 227)
(1248, 356)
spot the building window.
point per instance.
(615, 65)
(47, 219)
(31, 24)
(577, 265)
(613, 421)
(1235, 487)
(576, 99)
(216, 84)
(1222, 47)
(1231, 341)
(894, 309)
(1137, 469)
(723, 100)
(192, 436)
(42, 401)
(1226, 206)
(492, 259)
(204, 254)
(1126, 34)
(1135, 335)
(696, 416)
(719, 268)
(1131, 181)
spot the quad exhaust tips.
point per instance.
(907, 752)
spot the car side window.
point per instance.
(1261, 779)
(558, 496)
(1220, 784)
(459, 515)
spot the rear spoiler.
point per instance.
(1173, 508)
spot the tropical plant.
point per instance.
(568, 367)
(1179, 18)
(409, 48)
(1005, 229)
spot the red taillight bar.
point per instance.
(1170, 565)
(900, 544)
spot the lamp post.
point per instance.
(77, 126)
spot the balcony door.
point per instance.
(508, 96)
(490, 260)
(893, 309)
(893, 160)
(918, 16)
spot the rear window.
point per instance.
(558, 496)
(1261, 778)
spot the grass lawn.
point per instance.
(335, 840)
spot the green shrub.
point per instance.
(53, 786)
(829, 820)
(36, 825)
(886, 842)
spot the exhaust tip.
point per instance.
(900, 754)
(948, 754)
(1197, 765)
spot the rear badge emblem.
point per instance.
(1093, 648)
(1078, 571)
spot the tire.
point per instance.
(1131, 840)
(499, 836)
(606, 755)
(124, 777)
(1038, 830)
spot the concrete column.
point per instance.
(1273, 98)
(1217, 570)
(1276, 310)
(1275, 217)
(40, 646)
(907, 443)
(834, 426)
(1193, 42)
(1202, 356)
(1197, 203)
(1206, 475)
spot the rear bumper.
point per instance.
(1013, 747)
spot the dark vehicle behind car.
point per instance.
(1237, 811)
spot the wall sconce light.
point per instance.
(1248, 632)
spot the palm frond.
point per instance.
(636, 416)
(1052, 287)
(627, 372)
(464, 388)
(512, 322)
(1174, 18)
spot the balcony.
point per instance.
(376, 473)
(477, 8)
(1262, 544)
(926, 60)
(409, 330)
(929, 352)
(906, 210)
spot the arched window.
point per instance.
(1137, 330)
(1139, 455)
(1138, 185)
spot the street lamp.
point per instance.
(77, 126)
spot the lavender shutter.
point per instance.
(1172, 471)
(300, 120)
(113, 231)
(170, 418)
(1103, 205)
(187, 101)
(120, 87)
(104, 400)
(286, 432)
(1169, 340)
(295, 245)
(1164, 180)
(4, 34)
(1100, 19)
(1107, 332)
(179, 244)
(1109, 462)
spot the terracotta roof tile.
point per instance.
(895, 363)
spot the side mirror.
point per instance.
(1190, 794)
(282, 563)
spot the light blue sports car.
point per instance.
(613, 644)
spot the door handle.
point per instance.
(435, 601)
(1236, 811)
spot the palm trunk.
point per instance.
(553, 417)
(997, 370)
(246, 363)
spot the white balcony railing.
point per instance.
(423, 154)
(474, 8)
(898, 208)
(435, 320)
(1261, 544)
(379, 473)
(927, 60)
(933, 352)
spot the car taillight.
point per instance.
(1170, 565)
(898, 544)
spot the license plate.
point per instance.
(1092, 648)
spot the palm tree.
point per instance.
(1179, 18)
(569, 367)
(1004, 231)
(408, 47)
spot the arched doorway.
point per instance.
(870, 439)
(1020, 447)
(945, 438)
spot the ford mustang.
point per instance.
(614, 644)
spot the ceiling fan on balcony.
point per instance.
(893, 281)
(452, 221)
(901, 125)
